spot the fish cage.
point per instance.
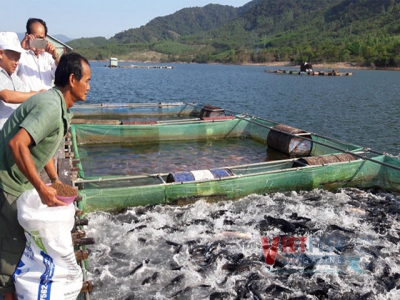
(188, 152)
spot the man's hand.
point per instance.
(25, 44)
(48, 196)
(52, 50)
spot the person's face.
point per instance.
(81, 88)
(9, 60)
(38, 32)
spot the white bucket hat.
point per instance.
(10, 41)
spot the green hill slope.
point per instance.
(362, 31)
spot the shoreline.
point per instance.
(327, 66)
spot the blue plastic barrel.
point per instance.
(186, 176)
(180, 177)
(220, 173)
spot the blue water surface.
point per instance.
(361, 109)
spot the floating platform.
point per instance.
(313, 73)
(141, 67)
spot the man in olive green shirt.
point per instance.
(29, 140)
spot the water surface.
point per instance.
(213, 250)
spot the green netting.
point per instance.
(129, 111)
(358, 173)
(174, 131)
(115, 192)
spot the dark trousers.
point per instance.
(12, 241)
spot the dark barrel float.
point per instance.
(283, 138)
(323, 160)
(211, 111)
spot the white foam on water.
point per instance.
(194, 244)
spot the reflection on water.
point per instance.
(213, 251)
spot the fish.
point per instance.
(336, 227)
(320, 294)
(137, 228)
(170, 229)
(229, 222)
(235, 258)
(200, 221)
(295, 216)
(138, 266)
(196, 250)
(151, 279)
(177, 246)
(220, 295)
(175, 280)
(142, 240)
(276, 290)
(218, 213)
(282, 224)
(172, 243)
(240, 267)
(212, 258)
(255, 292)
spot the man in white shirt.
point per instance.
(39, 59)
(12, 90)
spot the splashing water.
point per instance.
(341, 245)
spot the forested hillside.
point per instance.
(361, 31)
(187, 21)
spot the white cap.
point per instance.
(10, 41)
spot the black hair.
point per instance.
(34, 20)
(70, 63)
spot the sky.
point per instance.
(91, 18)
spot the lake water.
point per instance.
(332, 245)
(362, 108)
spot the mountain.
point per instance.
(62, 38)
(186, 21)
(88, 42)
(359, 31)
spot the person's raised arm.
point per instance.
(53, 52)
(25, 43)
(19, 146)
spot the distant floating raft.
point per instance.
(313, 73)
(142, 67)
